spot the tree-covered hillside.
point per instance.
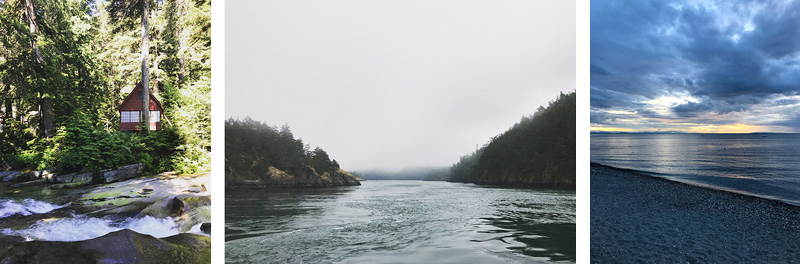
(67, 65)
(257, 154)
(537, 152)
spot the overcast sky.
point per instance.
(396, 84)
(695, 66)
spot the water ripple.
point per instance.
(402, 222)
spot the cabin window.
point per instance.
(129, 117)
(155, 116)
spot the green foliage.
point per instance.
(83, 147)
(91, 61)
(157, 149)
(320, 161)
(251, 147)
(539, 151)
(37, 153)
(193, 123)
(90, 149)
(193, 159)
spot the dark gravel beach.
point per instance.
(645, 219)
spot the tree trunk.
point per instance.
(182, 74)
(182, 61)
(8, 113)
(154, 88)
(45, 103)
(145, 69)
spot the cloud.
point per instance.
(691, 109)
(731, 56)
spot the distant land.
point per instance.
(416, 173)
(681, 132)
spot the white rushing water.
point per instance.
(81, 228)
(26, 207)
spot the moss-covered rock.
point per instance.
(127, 197)
(124, 246)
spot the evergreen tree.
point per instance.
(251, 147)
(127, 10)
(539, 151)
(78, 57)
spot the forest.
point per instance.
(259, 154)
(537, 152)
(67, 65)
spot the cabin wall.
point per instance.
(133, 126)
(135, 104)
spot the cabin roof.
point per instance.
(138, 87)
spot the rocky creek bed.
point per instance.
(161, 218)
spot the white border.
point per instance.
(582, 245)
(218, 130)
(217, 188)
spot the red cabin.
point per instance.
(130, 111)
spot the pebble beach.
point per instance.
(645, 219)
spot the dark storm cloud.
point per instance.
(727, 56)
(623, 50)
(691, 109)
(779, 34)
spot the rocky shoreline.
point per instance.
(306, 177)
(162, 218)
(641, 218)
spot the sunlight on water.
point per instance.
(749, 164)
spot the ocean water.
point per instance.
(400, 222)
(761, 165)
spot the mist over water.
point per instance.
(400, 222)
(762, 165)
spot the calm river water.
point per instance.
(400, 222)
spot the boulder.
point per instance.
(124, 246)
(196, 210)
(172, 206)
(18, 176)
(206, 228)
(123, 173)
(74, 178)
(41, 174)
(6, 241)
(10, 175)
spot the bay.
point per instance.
(400, 222)
(761, 165)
